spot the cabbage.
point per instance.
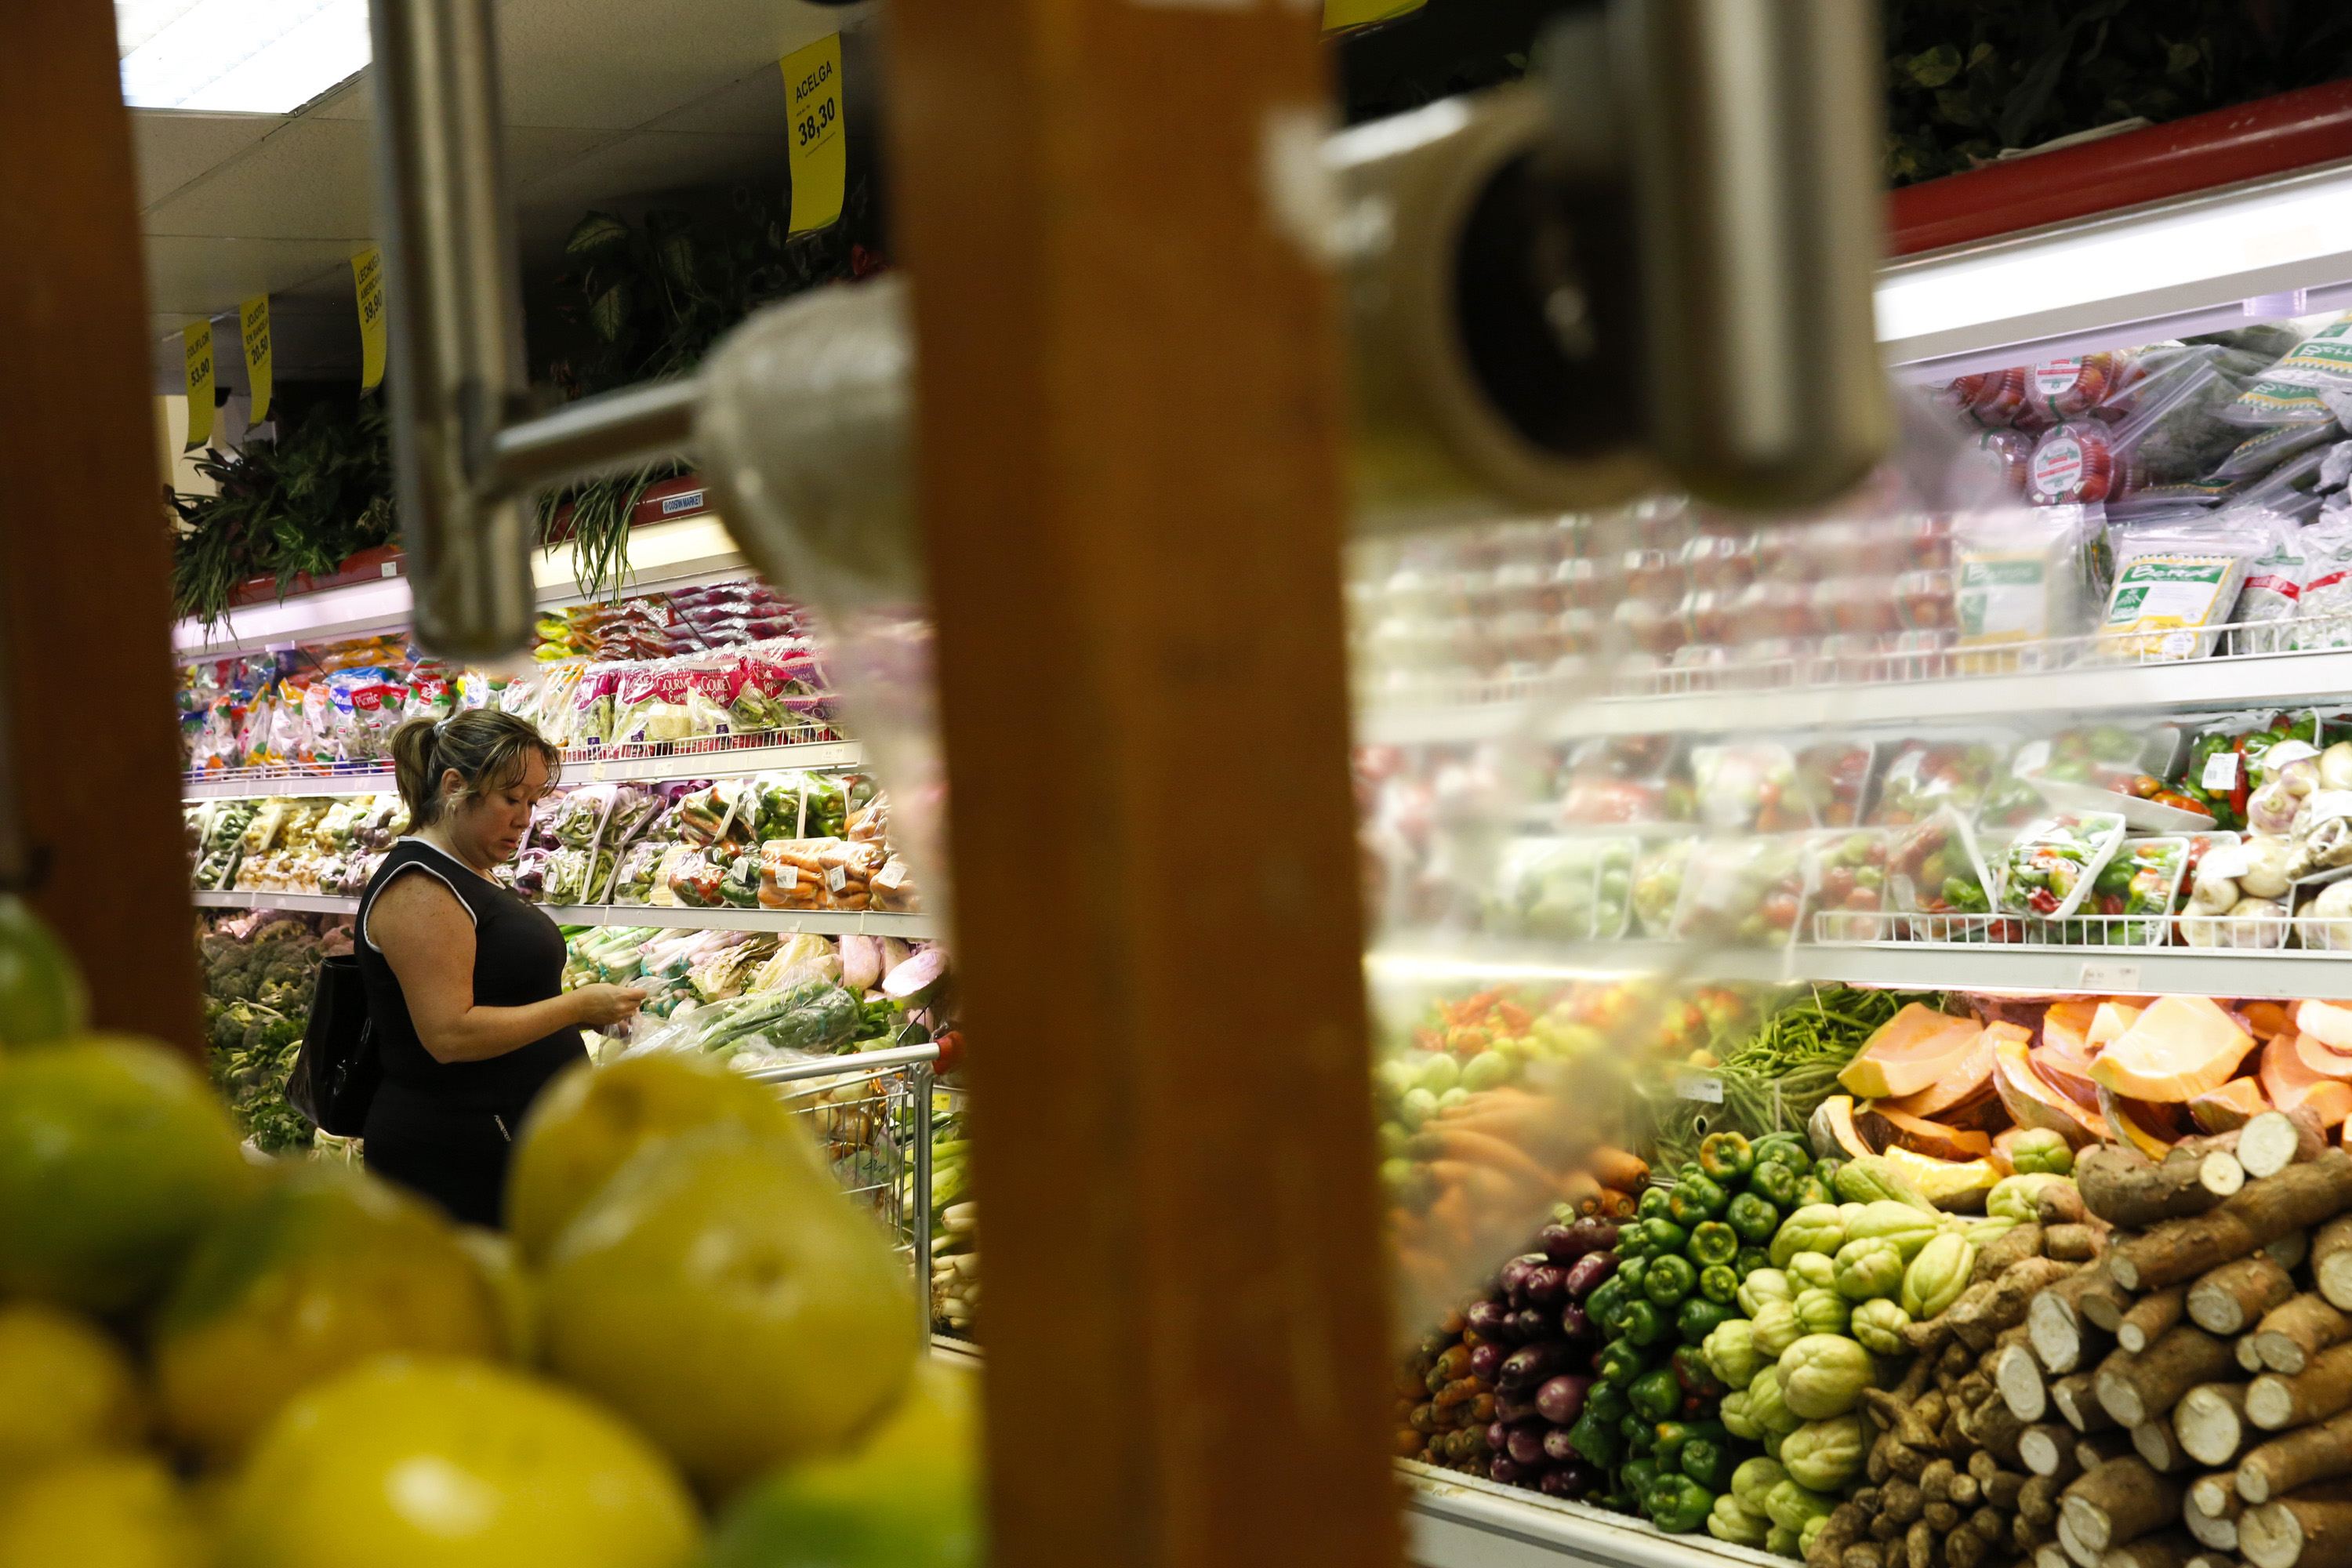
(1820, 1376)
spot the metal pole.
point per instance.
(456, 322)
(918, 1095)
(609, 434)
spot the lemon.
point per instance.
(909, 1497)
(113, 1154)
(115, 1512)
(66, 1389)
(432, 1463)
(41, 993)
(326, 1267)
(588, 1120)
(738, 1312)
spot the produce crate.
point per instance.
(871, 1115)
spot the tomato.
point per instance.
(1780, 911)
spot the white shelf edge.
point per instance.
(2253, 682)
(815, 922)
(808, 755)
(1459, 1522)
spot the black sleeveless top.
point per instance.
(517, 959)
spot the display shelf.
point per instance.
(1902, 965)
(816, 922)
(1724, 701)
(1453, 1520)
(714, 757)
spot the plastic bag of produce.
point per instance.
(1926, 775)
(2050, 868)
(1744, 892)
(2323, 610)
(1557, 890)
(1936, 871)
(2023, 577)
(2290, 391)
(2174, 583)
(2131, 898)
(2272, 597)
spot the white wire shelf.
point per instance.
(1459, 1522)
(709, 756)
(2067, 676)
(816, 922)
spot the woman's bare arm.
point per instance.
(428, 938)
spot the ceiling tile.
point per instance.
(175, 147)
(643, 162)
(754, 106)
(192, 274)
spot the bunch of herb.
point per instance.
(305, 503)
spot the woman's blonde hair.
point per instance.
(491, 749)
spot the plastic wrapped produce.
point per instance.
(2290, 391)
(2022, 578)
(2052, 867)
(1850, 886)
(1924, 775)
(817, 873)
(1743, 892)
(2174, 583)
(2068, 388)
(1564, 890)
(1658, 874)
(1748, 786)
(2131, 898)
(2324, 608)
(1936, 870)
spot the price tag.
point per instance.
(815, 149)
(2220, 770)
(1699, 1086)
(2100, 975)
(197, 348)
(596, 770)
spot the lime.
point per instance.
(909, 1497)
(113, 1155)
(740, 1313)
(326, 1267)
(433, 1463)
(588, 1120)
(66, 1389)
(115, 1512)
(494, 1254)
(41, 993)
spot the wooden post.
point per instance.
(1129, 434)
(85, 557)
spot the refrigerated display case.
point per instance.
(2036, 730)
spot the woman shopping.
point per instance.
(464, 980)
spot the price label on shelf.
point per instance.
(2220, 770)
(1699, 1086)
(2099, 975)
(816, 149)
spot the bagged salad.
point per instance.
(2050, 868)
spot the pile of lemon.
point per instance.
(694, 1350)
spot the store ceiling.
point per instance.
(606, 101)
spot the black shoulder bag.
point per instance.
(337, 1070)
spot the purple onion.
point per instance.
(1525, 1445)
(1586, 1274)
(1558, 1448)
(1501, 1468)
(1546, 1285)
(1561, 1399)
(1486, 1361)
(1529, 1366)
(1575, 1322)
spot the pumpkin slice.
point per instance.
(1966, 1078)
(2290, 1083)
(2230, 1106)
(2032, 1102)
(1884, 1126)
(2268, 1019)
(2326, 1021)
(2321, 1058)
(2129, 1129)
(2110, 1020)
(1832, 1129)
(1914, 1051)
(2176, 1050)
(2066, 1026)
(2070, 1075)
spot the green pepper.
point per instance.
(1726, 1157)
(1719, 1282)
(1812, 1190)
(1678, 1505)
(1749, 1261)
(1653, 1203)
(1655, 1394)
(1694, 1198)
(1787, 1149)
(1692, 1373)
(1622, 1361)
(1708, 1463)
(1641, 1436)
(1827, 1170)
(1713, 1242)
(1671, 1437)
(1643, 1321)
(1697, 1318)
(1607, 1298)
(1633, 1271)
(1753, 1218)
(1630, 1242)
(1595, 1438)
(1663, 1236)
(1606, 1400)
(1641, 1475)
(1669, 1280)
(1775, 1183)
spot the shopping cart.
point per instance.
(871, 1115)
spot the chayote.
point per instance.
(1774, 1329)
(1812, 1271)
(1878, 1326)
(1765, 1285)
(1805, 1537)
(1903, 1226)
(1874, 1180)
(2038, 1152)
(1938, 1275)
(1782, 1541)
(1733, 1414)
(1869, 1269)
(1731, 1353)
(1767, 1408)
(1821, 1311)
(1820, 1376)
(1788, 1505)
(2019, 1197)
(1753, 1479)
(1824, 1456)
(1813, 1228)
(1733, 1520)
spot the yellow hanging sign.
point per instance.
(818, 149)
(253, 326)
(1343, 14)
(196, 344)
(367, 280)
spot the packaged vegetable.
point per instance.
(2070, 387)
(1926, 774)
(1744, 892)
(1936, 870)
(2131, 897)
(2324, 610)
(1851, 892)
(1749, 787)
(2271, 599)
(2050, 868)
(1658, 877)
(2289, 392)
(1561, 890)
(2173, 582)
(2021, 577)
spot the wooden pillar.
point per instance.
(1129, 418)
(85, 558)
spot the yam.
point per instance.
(2331, 1261)
(2291, 1333)
(2048, 1450)
(2037, 1499)
(2214, 1496)
(2126, 1188)
(2298, 1197)
(2096, 1448)
(2075, 1397)
(2276, 1401)
(2232, 1298)
(2210, 1421)
(2297, 1532)
(2165, 1549)
(2069, 1243)
(2156, 1442)
(2056, 1324)
(2138, 1388)
(2018, 1375)
(2150, 1316)
(2218, 1532)
(2271, 1140)
(2120, 1500)
(2317, 1453)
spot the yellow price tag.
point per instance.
(367, 281)
(818, 148)
(1343, 14)
(196, 344)
(253, 326)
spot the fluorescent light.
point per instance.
(255, 56)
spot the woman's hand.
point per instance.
(599, 1006)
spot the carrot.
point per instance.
(1616, 1168)
(1579, 1190)
(1485, 1148)
(1482, 1184)
(1615, 1204)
